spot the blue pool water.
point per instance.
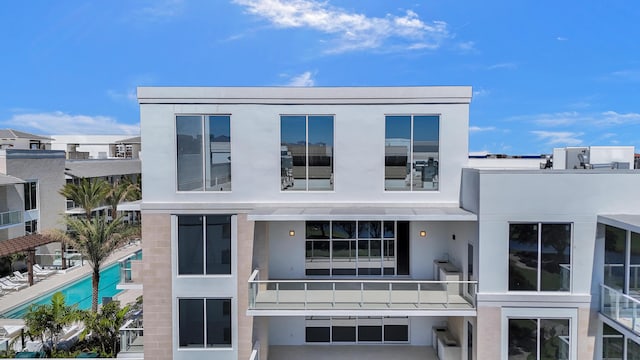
(78, 292)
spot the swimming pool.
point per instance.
(78, 292)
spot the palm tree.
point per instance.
(96, 239)
(124, 190)
(105, 326)
(47, 321)
(87, 194)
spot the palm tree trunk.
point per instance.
(96, 286)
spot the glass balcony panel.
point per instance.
(339, 294)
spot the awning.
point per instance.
(22, 243)
(623, 221)
(441, 213)
(9, 180)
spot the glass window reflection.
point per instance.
(218, 175)
(306, 152)
(189, 151)
(412, 151)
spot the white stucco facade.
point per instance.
(455, 238)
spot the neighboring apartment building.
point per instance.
(30, 203)
(83, 147)
(33, 174)
(312, 223)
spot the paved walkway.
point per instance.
(12, 299)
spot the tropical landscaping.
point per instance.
(62, 330)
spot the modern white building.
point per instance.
(343, 223)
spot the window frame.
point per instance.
(205, 346)
(540, 225)
(331, 322)
(30, 190)
(333, 152)
(540, 313)
(204, 246)
(410, 160)
(205, 149)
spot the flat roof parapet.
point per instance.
(306, 95)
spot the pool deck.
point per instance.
(11, 299)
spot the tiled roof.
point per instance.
(15, 134)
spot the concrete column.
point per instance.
(587, 333)
(156, 247)
(488, 325)
(244, 269)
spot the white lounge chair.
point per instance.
(19, 277)
(39, 271)
(7, 284)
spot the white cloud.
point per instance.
(476, 129)
(161, 9)
(480, 93)
(62, 123)
(304, 79)
(128, 96)
(353, 31)
(562, 38)
(566, 138)
(557, 119)
(505, 65)
(467, 46)
(614, 118)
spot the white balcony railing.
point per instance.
(11, 218)
(622, 308)
(131, 336)
(255, 353)
(369, 294)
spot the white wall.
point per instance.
(559, 196)
(424, 250)
(359, 133)
(286, 330)
(286, 253)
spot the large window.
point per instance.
(615, 252)
(30, 195)
(356, 330)
(412, 152)
(306, 152)
(204, 244)
(350, 248)
(539, 257)
(204, 152)
(539, 339)
(204, 323)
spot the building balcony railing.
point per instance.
(129, 274)
(255, 353)
(132, 336)
(9, 218)
(620, 307)
(330, 296)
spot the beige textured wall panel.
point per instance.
(488, 325)
(156, 246)
(587, 333)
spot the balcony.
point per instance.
(620, 307)
(131, 272)
(361, 297)
(10, 218)
(131, 338)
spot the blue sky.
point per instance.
(544, 73)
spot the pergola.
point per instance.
(28, 244)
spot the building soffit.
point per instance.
(444, 213)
